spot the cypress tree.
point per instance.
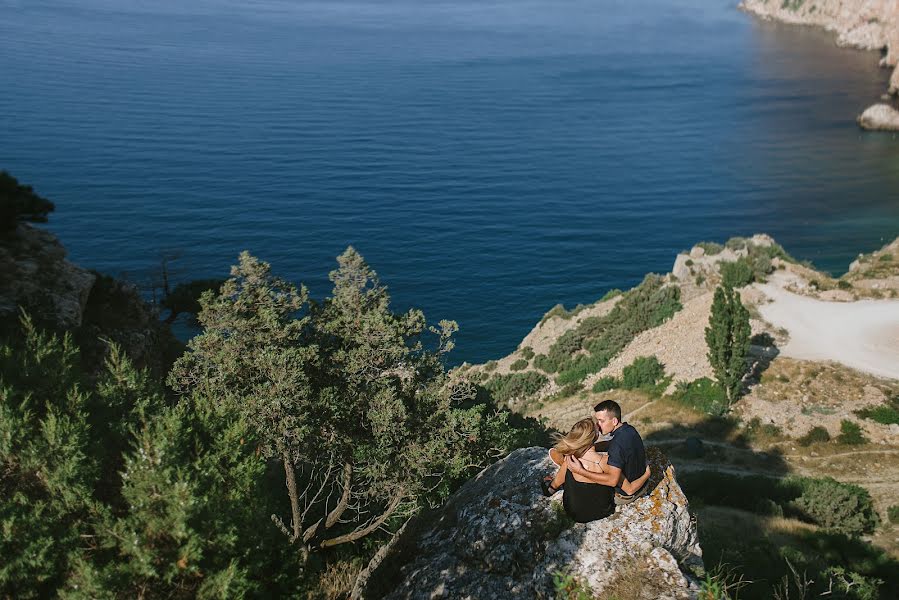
(727, 337)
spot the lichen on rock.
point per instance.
(498, 537)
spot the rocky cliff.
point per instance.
(36, 276)
(865, 24)
(498, 537)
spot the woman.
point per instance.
(583, 500)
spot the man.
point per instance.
(627, 455)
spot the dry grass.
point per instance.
(337, 581)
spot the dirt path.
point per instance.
(863, 335)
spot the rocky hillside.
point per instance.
(498, 537)
(865, 24)
(36, 276)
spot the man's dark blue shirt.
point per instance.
(626, 451)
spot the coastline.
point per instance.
(861, 24)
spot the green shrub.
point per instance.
(560, 311)
(689, 262)
(604, 384)
(849, 584)
(735, 243)
(644, 307)
(756, 429)
(515, 386)
(893, 514)
(886, 258)
(711, 248)
(490, 366)
(886, 414)
(644, 373)
(519, 365)
(703, 395)
(841, 507)
(545, 363)
(570, 390)
(569, 587)
(816, 435)
(613, 293)
(527, 353)
(736, 274)
(844, 285)
(851, 434)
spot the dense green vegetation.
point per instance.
(515, 386)
(886, 414)
(841, 511)
(19, 203)
(277, 457)
(590, 346)
(646, 373)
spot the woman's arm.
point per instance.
(559, 479)
(632, 487)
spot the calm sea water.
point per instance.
(489, 158)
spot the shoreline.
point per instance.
(861, 24)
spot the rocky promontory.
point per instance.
(864, 24)
(499, 537)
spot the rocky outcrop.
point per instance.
(58, 294)
(35, 274)
(498, 537)
(880, 117)
(865, 24)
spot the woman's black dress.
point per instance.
(585, 502)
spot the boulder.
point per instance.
(499, 537)
(880, 117)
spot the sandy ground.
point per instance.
(863, 335)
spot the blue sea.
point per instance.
(489, 158)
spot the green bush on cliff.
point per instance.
(644, 307)
(519, 365)
(515, 386)
(841, 507)
(19, 203)
(645, 373)
(736, 274)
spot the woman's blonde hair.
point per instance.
(578, 440)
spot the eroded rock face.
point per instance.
(498, 537)
(34, 273)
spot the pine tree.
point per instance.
(351, 399)
(727, 337)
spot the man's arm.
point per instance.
(611, 477)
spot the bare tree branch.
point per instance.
(334, 515)
(360, 532)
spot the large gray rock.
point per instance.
(498, 537)
(880, 117)
(35, 274)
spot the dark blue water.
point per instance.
(488, 158)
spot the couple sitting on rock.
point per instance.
(602, 463)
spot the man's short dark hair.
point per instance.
(609, 406)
